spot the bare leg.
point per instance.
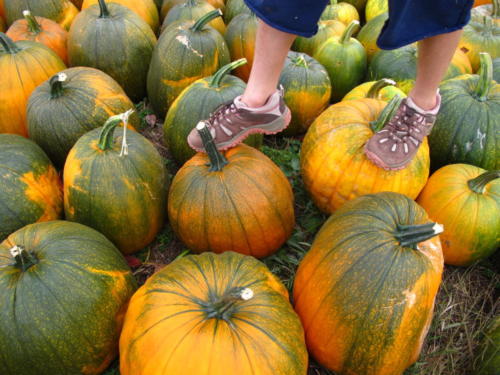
(271, 49)
(434, 57)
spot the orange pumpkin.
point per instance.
(384, 89)
(481, 2)
(2, 25)
(61, 11)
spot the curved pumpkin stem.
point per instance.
(478, 184)
(485, 77)
(374, 91)
(347, 34)
(412, 235)
(104, 9)
(56, 87)
(33, 25)
(388, 113)
(22, 259)
(300, 61)
(8, 45)
(108, 129)
(221, 307)
(222, 72)
(217, 160)
(202, 21)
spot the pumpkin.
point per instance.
(491, 11)
(70, 104)
(228, 308)
(233, 8)
(112, 38)
(401, 65)
(383, 89)
(326, 29)
(375, 8)
(3, 27)
(73, 286)
(307, 90)
(466, 199)
(335, 143)
(467, 127)
(169, 4)
(369, 34)
(489, 350)
(240, 38)
(343, 12)
(359, 4)
(24, 65)
(116, 185)
(42, 30)
(61, 11)
(146, 9)
(477, 37)
(2, 9)
(195, 51)
(192, 10)
(496, 69)
(365, 291)
(345, 60)
(31, 189)
(78, 3)
(481, 2)
(195, 104)
(240, 201)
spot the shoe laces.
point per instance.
(402, 126)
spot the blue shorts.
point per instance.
(409, 20)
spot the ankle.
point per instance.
(425, 103)
(254, 101)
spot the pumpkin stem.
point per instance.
(388, 113)
(300, 61)
(8, 45)
(124, 117)
(374, 91)
(220, 308)
(222, 72)
(485, 77)
(346, 35)
(495, 11)
(22, 259)
(108, 129)
(478, 184)
(412, 235)
(56, 87)
(104, 9)
(217, 160)
(33, 25)
(202, 21)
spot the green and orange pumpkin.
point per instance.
(233, 8)
(375, 8)
(480, 36)
(169, 4)
(3, 26)
(491, 11)
(369, 34)
(340, 11)
(61, 11)
(383, 89)
(359, 4)
(326, 29)
(192, 10)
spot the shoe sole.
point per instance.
(274, 127)
(379, 163)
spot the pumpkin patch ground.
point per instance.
(467, 300)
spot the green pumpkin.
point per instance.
(116, 185)
(345, 60)
(326, 29)
(65, 290)
(61, 11)
(496, 69)
(488, 360)
(375, 8)
(307, 90)
(233, 8)
(114, 39)
(194, 51)
(467, 128)
(359, 4)
(70, 104)
(31, 189)
(340, 11)
(369, 33)
(192, 10)
(480, 36)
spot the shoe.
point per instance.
(395, 146)
(232, 122)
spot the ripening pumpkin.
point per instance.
(61, 11)
(466, 200)
(2, 9)
(70, 104)
(42, 30)
(359, 4)
(23, 66)
(78, 3)
(112, 38)
(383, 89)
(488, 360)
(194, 51)
(116, 185)
(3, 26)
(240, 201)
(233, 8)
(146, 9)
(369, 34)
(365, 291)
(65, 290)
(229, 309)
(345, 60)
(335, 143)
(195, 104)
(326, 29)
(477, 37)
(307, 90)
(343, 12)
(31, 190)
(467, 128)
(375, 8)
(191, 10)
(481, 2)
(169, 4)
(491, 11)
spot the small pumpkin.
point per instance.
(369, 34)
(365, 291)
(192, 10)
(489, 10)
(343, 12)
(31, 190)
(42, 30)
(228, 308)
(326, 29)
(307, 90)
(240, 201)
(24, 65)
(195, 51)
(70, 104)
(61, 11)
(375, 7)
(169, 4)
(467, 128)
(477, 37)
(466, 199)
(345, 60)
(233, 8)
(74, 287)
(335, 143)
(488, 360)
(112, 38)
(117, 185)
(384, 89)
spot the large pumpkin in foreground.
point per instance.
(213, 315)
(365, 291)
(64, 290)
(335, 144)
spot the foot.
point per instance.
(232, 122)
(395, 146)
